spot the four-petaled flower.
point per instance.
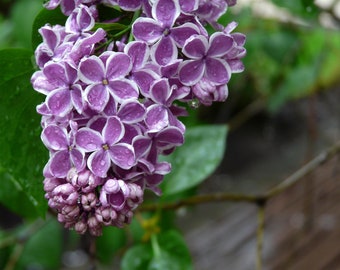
(161, 32)
(105, 76)
(104, 148)
(206, 59)
(64, 155)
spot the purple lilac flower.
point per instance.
(161, 32)
(159, 114)
(105, 76)
(58, 81)
(64, 155)
(111, 102)
(206, 59)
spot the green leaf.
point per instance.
(43, 250)
(22, 25)
(110, 242)
(303, 8)
(193, 162)
(137, 258)
(168, 251)
(174, 254)
(22, 153)
(52, 17)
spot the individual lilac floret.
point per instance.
(53, 46)
(211, 10)
(238, 51)
(105, 76)
(67, 6)
(207, 92)
(64, 155)
(123, 197)
(206, 59)
(159, 115)
(144, 76)
(58, 81)
(80, 22)
(161, 32)
(105, 148)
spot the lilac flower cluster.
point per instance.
(111, 106)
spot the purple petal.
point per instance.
(141, 145)
(60, 164)
(147, 29)
(154, 180)
(183, 32)
(123, 89)
(131, 111)
(78, 159)
(99, 163)
(122, 155)
(89, 140)
(130, 5)
(55, 138)
(164, 51)
(59, 102)
(113, 130)
(236, 65)
(91, 70)
(138, 52)
(220, 44)
(97, 123)
(166, 12)
(217, 71)
(131, 131)
(188, 5)
(170, 137)
(97, 96)
(84, 47)
(160, 91)
(50, 37)
(117, 65)
(163, 168)
(111, 107)
(41, 84)
(71, 73)
(156, 117)
(239, 38)
(196, 47)
(56, 74)
(144, 79)
(170, 70)
(67, 6)
(77, 98)
(190, 72)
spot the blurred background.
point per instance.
(282, 111)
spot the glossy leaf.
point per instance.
(43, 250)
(167, 251)
(137, 258)
(109, 243)
(193, 162)
(22, 153)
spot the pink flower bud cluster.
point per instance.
(111, 100)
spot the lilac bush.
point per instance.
(112, 102)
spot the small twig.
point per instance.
(225, 196)
(15, 256)
(305, 170)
